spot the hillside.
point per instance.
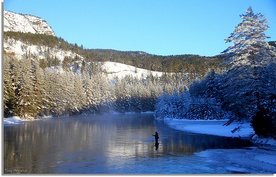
(53, 51)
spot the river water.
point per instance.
(108, 144)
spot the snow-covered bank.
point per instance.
(252, 160)
(211, 127)
(13, 120)
(218, 127)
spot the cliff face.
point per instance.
(26, 24)
(30, 24)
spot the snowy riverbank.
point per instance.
(253, 160)
(12, 121)
(211, 127)
(15, 120)
(217, 127)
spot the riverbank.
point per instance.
(218, 128)
(211, 127)
(259, 159)
(13, 121)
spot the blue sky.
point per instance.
(162, 27)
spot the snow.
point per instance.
(26, 24)
(120, 70)
(19, 49)
(211, 127)
(266, 159)
(258, 159)
(251, 160)
(217, 127)
(13, 120)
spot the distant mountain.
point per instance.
(26, 24)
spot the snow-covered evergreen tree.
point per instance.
(88, 85)
(38, 82)
(249, 45)
(9, 86)
(48, 90)
(26, 106)
(79, 93)
(246, 86)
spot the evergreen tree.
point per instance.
(79, 91)
(25, 96)
(47, 98)
(38, 82)
(249, 46)
(9, 87)
(245, 87)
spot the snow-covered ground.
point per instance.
(259, 159)
(114, 69)
(12, 121)
(218, 127)
(15, 120)
(26, 23)
(253, 160)
(211, 127)
(19, 49)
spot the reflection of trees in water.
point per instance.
(190, 143)
(40, 146)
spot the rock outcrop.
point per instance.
(26, 24)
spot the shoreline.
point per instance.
(217, 128)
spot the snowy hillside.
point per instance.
(26, 24)
(119, 70)
(20, 49)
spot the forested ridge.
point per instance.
(173, 63)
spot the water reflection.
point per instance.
(156, 146)
(103, 142)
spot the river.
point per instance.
(108, 144)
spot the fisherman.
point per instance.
(156, 137)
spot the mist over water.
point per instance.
(117, 144)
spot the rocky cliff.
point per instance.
(23, 48)
(26, 24)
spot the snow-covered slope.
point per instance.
(26, 24)
(19, 49)
(120, 70)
